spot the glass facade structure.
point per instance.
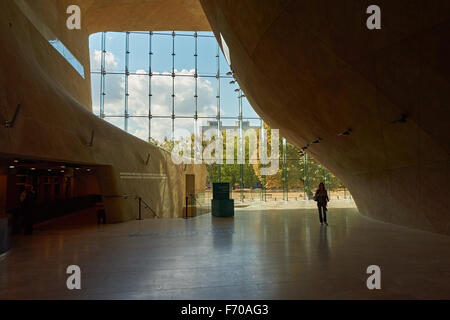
(163, 86)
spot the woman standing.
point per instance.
(322, 199)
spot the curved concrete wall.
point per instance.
(310, 68)
(55, 122)
(313, 69)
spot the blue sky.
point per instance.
(162, 86)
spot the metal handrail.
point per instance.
(146, 206)
(136, 197)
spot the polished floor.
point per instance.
(258, 254)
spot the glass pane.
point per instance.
(115, 52)
(184, 33)
(247, 110)
(184, 96)
(205, 34)
(138, 127)
(161, 95)
(114, 94)
(224, 67)
(229, 124)
(184, 55)
(206, 124)
(251, 123)
(272, 183)
(294, 174)
(162, 131)
(229, 102)
(118, 122)
(207, 52)
(95, 89)
(95, 48)
(184, 129)
(139, 48)
(162, 53)
(207, 101)
(138, 94)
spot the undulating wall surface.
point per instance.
(313, 69)
(310, 68)
(55, 122)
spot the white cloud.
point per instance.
(96, 60)
(161, 100)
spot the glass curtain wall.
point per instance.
(163, 86)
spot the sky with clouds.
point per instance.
(161, 85)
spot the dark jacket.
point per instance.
(321, 197)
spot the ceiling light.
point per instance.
(11, 167)
(16, 161)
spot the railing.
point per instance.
(273, 195)
(192, 201)
(140, 202)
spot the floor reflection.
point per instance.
(261, 254)
(324, 246)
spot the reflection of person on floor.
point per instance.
(322, 199)
(27, 203)
(101, 214)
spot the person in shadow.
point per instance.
(322, 199)
(28, 202)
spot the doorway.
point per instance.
(190, 208)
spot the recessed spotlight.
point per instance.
(63, 167)
(62, 171)
(16, 161)
(49, 170)
(77, 168)
(11, 167)
(32, 169)
(88, 170)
